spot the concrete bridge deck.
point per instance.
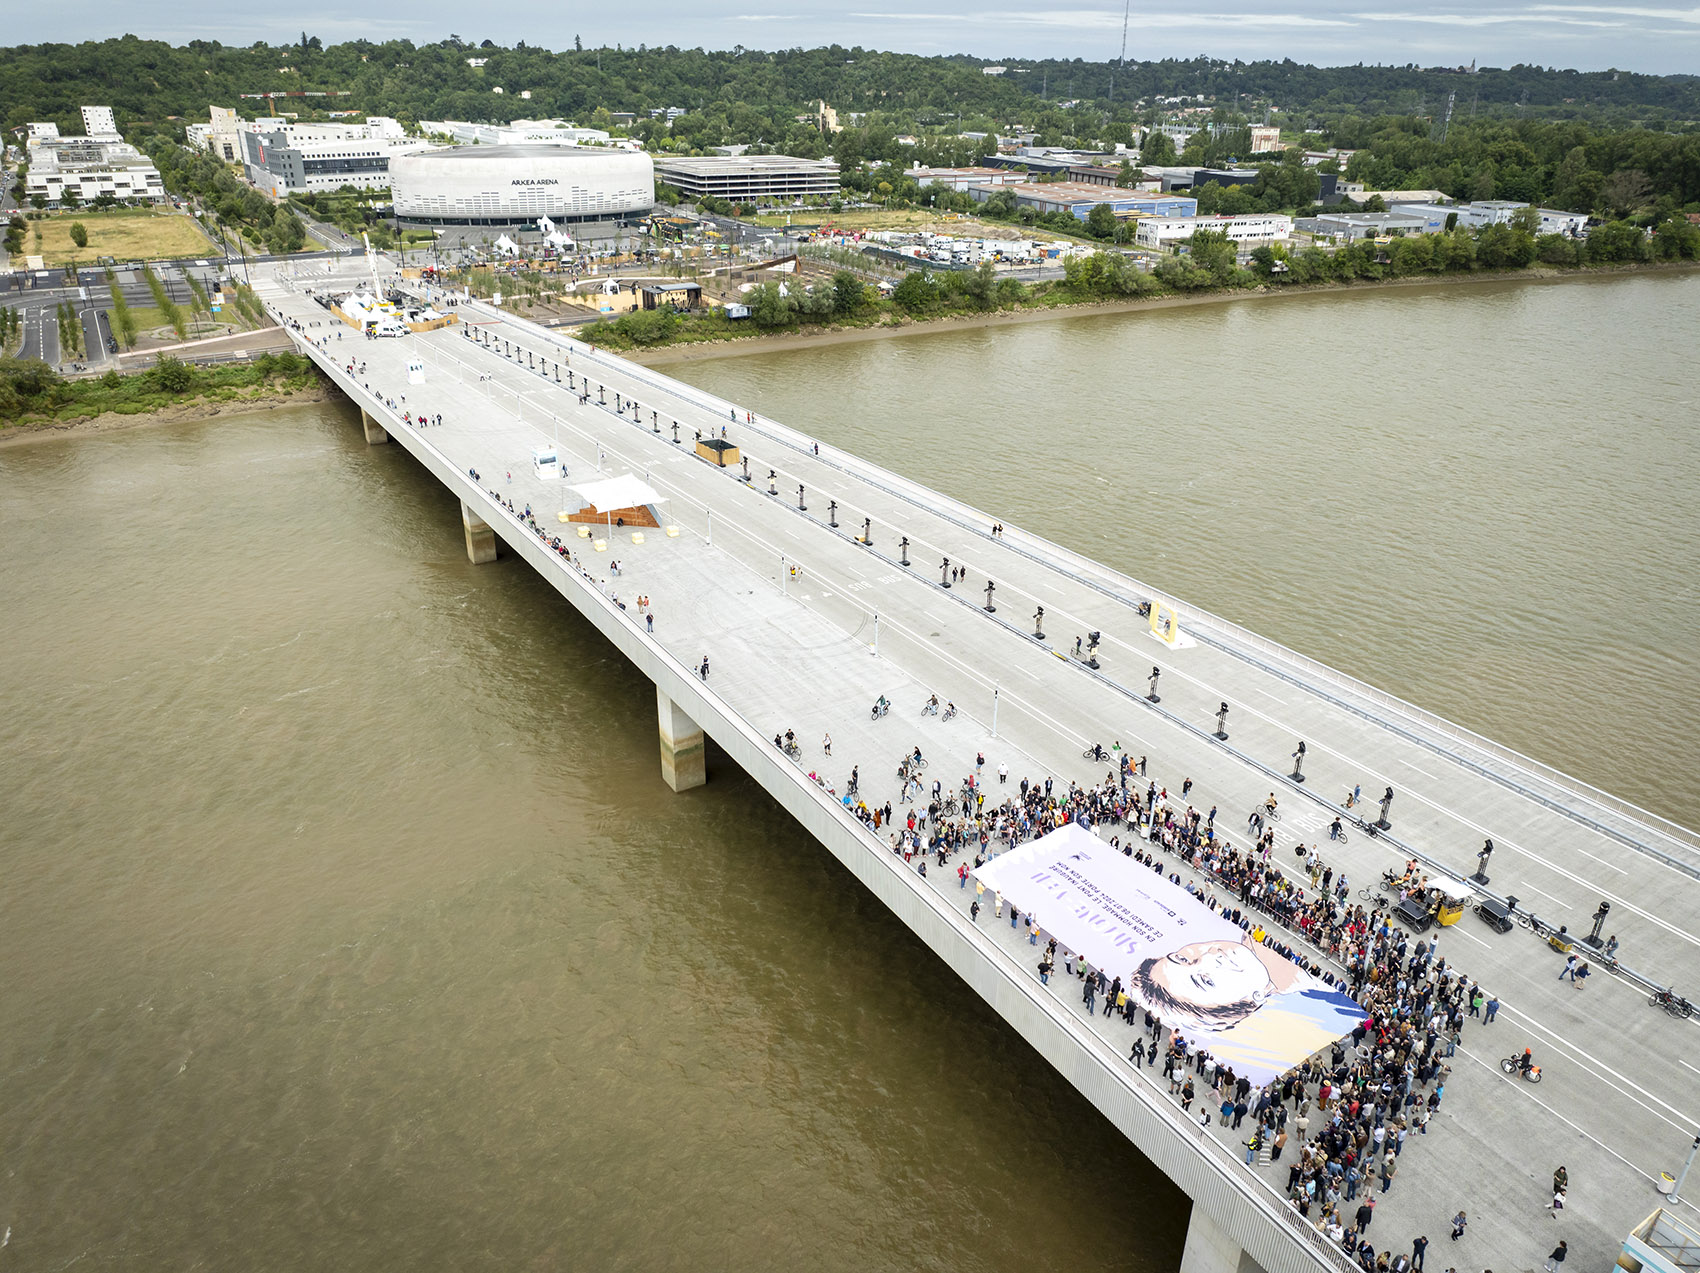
(807, 653)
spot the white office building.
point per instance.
(98, 122)
(85, 168)
(1254, 229)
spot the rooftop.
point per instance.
(519, 152)
(710, 165)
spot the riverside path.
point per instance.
(805, 623)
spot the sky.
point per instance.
(1639, 37)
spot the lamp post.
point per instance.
(903, 551)
(1151, 694)
(1298, 774)
(1222, 722)
(831, 511)
(746, 460)
(867, 532)
(801, 507)
(772, 482)
(1092, 639)
(1676, 1192)
(1386, 804)
(990, 588)
(1481, 875)
(675, 433)
(1039, 623)
(944, 572)
(1593, 938)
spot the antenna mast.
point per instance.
(1126, 6)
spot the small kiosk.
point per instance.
(718, 451)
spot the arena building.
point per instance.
(513, 185)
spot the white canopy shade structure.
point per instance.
(624, 499)
(507, 246)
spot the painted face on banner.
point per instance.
(1212, 974)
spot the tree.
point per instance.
(1101, 221)
(79, 234)
(1157, 148)
(849, 293)
(68, 197)
(1625, 191)
(171, 374)
(917, 293)
(1125, 176)
(770, 307)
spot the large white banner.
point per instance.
(1255, 1010)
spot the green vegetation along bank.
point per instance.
(33, 395)
(1209, 265)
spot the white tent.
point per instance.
(614, 493)
(1250, 1006)
(507, 245)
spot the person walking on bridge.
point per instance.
(1555, 1261)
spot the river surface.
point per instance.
(345, 922)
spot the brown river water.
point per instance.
(346, 922)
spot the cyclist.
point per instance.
(1334, 829)
(881, 705)
(916, 758)
(790, 740)
(1270, 803)
(949, 709)
(1526, 1062)
(1098, 752)
(932, 708)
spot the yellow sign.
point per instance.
(1167, 629)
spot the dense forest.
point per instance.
(759, 93)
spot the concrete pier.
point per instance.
(480, 539)
(375, 432)
(683, 758)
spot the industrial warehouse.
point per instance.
(514, 185)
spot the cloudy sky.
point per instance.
(1646, 37)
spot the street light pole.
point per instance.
(1676, 1193)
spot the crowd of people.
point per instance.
(1336, 1124)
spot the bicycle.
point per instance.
(792, 750)
(1095, 752)
(931, 709)
(949, 711)
(1671, 1002)
(1339, 837)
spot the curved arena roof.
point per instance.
(495, 184)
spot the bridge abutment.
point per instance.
(684, 760)
(1211, 1249)
(375, 432)
(480, 539)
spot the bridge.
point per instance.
(813, 581)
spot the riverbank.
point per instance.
(768, 342)
(45, 406)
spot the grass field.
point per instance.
(129, 234)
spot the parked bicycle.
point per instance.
(1671, 1002)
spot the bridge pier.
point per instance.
(480, 539)
(1210, 1249)
(375, 432)
(683, 758)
